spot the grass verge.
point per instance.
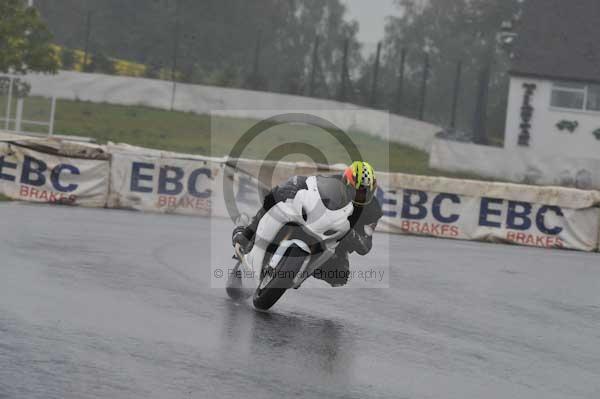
(199, 134)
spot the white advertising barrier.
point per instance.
(30, 175)
(546, 217)
(165, 185)
(166, 182)
(450, 215)
(549, 217)
(157, 181)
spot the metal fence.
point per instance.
(23, 114)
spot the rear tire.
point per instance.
(286, 271)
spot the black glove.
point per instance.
(238, 237)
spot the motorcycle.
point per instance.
(293, 239)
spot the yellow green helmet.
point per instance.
(361, 176)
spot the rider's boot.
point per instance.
(336, 270)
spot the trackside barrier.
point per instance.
(123, 176)
(549, 217)
(494, 212)
(164, 182)
(52, 171)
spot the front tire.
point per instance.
(286, 271)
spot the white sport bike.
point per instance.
(293, 239)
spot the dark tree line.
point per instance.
(216, 40)
(450, 31)
(270, 45)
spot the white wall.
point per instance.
(520, 165)
(229, 102)
(553, 157)
(546, 138)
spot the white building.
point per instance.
(553, 119)
(554, 100)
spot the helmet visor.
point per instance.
(364, 196)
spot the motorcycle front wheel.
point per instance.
(281, 279)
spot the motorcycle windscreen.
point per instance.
(334, 193)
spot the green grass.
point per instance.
(198, 134)
(4, 198)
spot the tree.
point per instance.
(451, 31)
(153, 70)
(24, 40)
(101, 64)
(228, 76)
(214, 36)
(67, 58)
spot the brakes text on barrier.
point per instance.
(26, 192)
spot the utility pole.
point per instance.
(400, 88)
(175, 53)
(313, 72)
(344, 77)
(424, 86)
(88, 30)
(9, 103)
(456, 94)
(480, 120)
(256, 64)
(30, 3)
(373, 99)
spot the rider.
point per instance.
(363, 220)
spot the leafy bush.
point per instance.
(101, 64)
(67, 58)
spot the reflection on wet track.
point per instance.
(98, 303)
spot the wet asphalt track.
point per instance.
(115, 304)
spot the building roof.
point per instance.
(559, 39)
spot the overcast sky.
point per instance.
(370, 14)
